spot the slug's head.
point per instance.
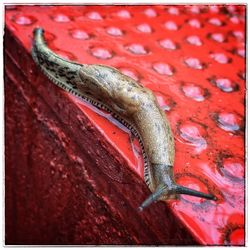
(167, 189)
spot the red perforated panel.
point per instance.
(193, 58)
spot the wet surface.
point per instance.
(182, 53)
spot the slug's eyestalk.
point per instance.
(192, 192)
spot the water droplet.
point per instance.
(193, 63)
(168, 44)
(194, 40)
(113, 31)
(101, 53)
(163, 69)
(171, 25)
(79, 34)
(137, 49)
(145, 28)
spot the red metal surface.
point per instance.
(193, 58)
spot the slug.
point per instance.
(131, 104)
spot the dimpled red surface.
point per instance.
(193, 59)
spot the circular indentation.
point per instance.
(173, 10)
(226, 85)
(237, 237)
(137, 49)
(194, 135)
(194, 40)
(150, 12)
(241, 52)
(231, 8)
(144, 28)
(101, 53)
(234, 234)
(220, 58)
(230, 166)
(195, 23)
(194, 9)
(171, 25)
(194, 63)
(235, 19)
(79, 34)
(194, 92)
(215, 21)
(228, 121)
(163, 68)
(238, 34)
(130, 73)
(193, 183)
(233, 167)
(214, 8)
(49, 36)
(24, 19)
(217, 37)
(165, 102)
(242, 75)
(168, 44)
(123, 14)
(113, 31)
(66, 55)
(94, 15)
(60, 18)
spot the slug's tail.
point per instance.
(42, 54)
(162, 190)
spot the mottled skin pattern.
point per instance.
(133, 105)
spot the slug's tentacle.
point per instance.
(192, 192)
(175, 190)
(130, 103)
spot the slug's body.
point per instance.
(131, 104)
